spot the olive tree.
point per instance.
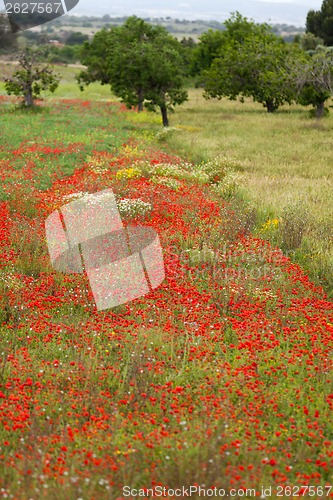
(313, 76)
(143, 64)
(32, 76)
(251, 63)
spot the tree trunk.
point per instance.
(320, 110)
(165, 118)
(270, 106)
(28, 98)
(140, 101)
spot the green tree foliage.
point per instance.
(313, 76)
(8, 41)
(67, 54)
(251, 63)
(320, 22)
(209, 47)
(189, 46)
(76, 38)
(32, 76)
(143, 64)
(308, 41)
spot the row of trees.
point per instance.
(144, 65)
(248, 60)
(147, 67)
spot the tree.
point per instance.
(188, 45)
(67, 54)
(308, 41)
(163, 83)
(314, 79)
(208, 48)
(33, 76)
(143, 64)
(320, 22)
(251, 63)
(76, 38)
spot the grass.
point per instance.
(68, 88)
(286, 160)
(221, 376)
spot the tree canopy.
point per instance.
(76, 38)
(251, 63)
(143, 64)
(208, 48)
(320, 22)
(32, 76)
(313, 76)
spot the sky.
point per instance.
(271, 11)
(313, 4)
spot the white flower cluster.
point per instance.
(200, 176)
(228, 186)
(10, 281)
(79, 194)
(127, 207)
(180, 171)
(218, 168)
(165, 132)
(97, 165)
(221, 171)
(130, 208)
(167, 181)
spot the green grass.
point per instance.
(287, 165)
(49, 146)
(68, 87)
(286, 158)
(104, 385)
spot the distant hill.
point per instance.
(272, 12)
(180, 28)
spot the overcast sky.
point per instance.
(313, 4)
(270, 11)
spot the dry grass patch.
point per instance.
(287, 159)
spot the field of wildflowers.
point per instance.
(222, 377)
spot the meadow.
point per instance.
(220, 378)
(284, 170)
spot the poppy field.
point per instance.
(221, 378)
